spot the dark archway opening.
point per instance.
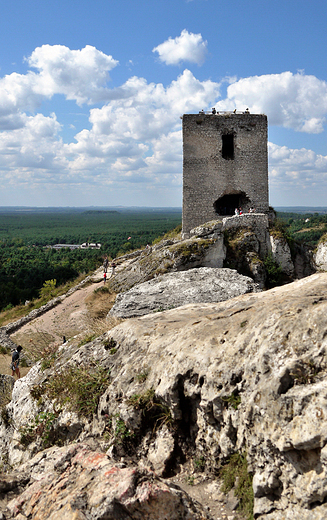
(226, 205)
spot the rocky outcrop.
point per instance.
(320, 256)
(281, 253)
(203, 381)
(201, 285)
(240, 242)
(6, 386)
(76, 482)
(169, 256)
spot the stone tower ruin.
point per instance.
(225, 165)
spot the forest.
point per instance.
(305, 228)
(26, 262)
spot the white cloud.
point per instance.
(32, 148)
(134, 136)
(80, 75)
(140, 133)
(297, 176)
(291, 100)
(186, 47)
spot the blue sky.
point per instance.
(91, 95)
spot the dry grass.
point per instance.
(96, 327)
(100, 302)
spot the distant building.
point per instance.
(225, 165)
(85, 245)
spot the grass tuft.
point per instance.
(77, 388)
(235, 475)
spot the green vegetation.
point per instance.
(306, 228)
(26, 263)
(274, 272)
(233, 400)
(199, 463)
(41, 426)
(155, 413)
(77, 388)
(235, 473)
(305, 372)
(142, 377)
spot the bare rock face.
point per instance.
(75, 482)
(202, 285)
(6, 386)
(282, 254)
(203, 381)
(320, 256)
(170, 256)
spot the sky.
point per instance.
(92, 94)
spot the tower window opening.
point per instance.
(228, 146)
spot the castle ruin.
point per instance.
(225, 166)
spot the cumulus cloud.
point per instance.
(297, 176)
(134, 135)
(186, 47)
(291, 100)
(141, 132)
(80, 75)
(36, 146)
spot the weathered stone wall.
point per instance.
(208, 176)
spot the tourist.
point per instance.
(104, 277)
(105, 264)
(113, 268)
(15, 362)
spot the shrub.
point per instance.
(155, 413)
(235, 473)
(274, 271)
(48, 288)
(42, 426)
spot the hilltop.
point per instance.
(205, 396)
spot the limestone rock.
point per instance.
(205, 381)
(282, 254)
(77, 483)
(6, 386)
(320, 256)
(170, 256)
(172, 290)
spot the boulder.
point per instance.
(76, 482)
(171, 290)
(170, 256)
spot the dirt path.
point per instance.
(66, 319)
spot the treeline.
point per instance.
(26, 263)
(305, 228)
